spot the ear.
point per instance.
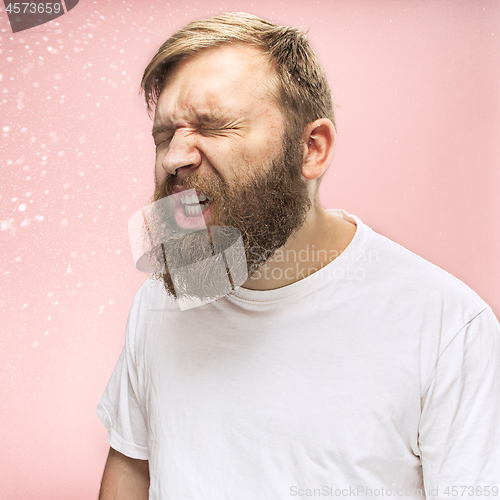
(319, 138)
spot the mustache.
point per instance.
(213, 186)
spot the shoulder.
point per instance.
(149, 300)
(152, 295)
(426, 297)
(407, 270)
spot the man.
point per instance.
(345, 365)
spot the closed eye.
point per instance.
(219, 131)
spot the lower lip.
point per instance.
(194, 223)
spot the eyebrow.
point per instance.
(212, 118)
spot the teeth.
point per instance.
(192, 210)
(187, 199)
(195, 209)
(193, 199)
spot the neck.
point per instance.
(321, 239)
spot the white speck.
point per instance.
(36, 343)
(54, 137)
(74, 253)
(61, 153)
(25, 305)
(49, 318)
(25, 222)
(69, 270)
(50, 294)
(18, 258)
(118, 252)
(22, 207)
(5, 224)
(6, 129)
(64, 222)
(47, 332)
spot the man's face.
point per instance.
(216, 125)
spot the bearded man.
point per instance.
(343, 365)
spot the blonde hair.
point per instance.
(303, 93)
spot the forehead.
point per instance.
(232, 78)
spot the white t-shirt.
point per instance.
(378, 375)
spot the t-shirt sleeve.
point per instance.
(119, 408)
(459, 432)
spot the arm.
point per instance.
(124, 478)
(459, 435)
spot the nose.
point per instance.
(182, 156)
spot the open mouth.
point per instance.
(194, 205)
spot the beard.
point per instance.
(257, 216)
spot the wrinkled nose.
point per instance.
(182, 156)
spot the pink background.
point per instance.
(417, 159)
